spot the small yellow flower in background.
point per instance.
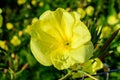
(111, 20)
(82, 12)
(20, 2)
(118, 49)
(1, 18)
(15, 40)
(34, 20)
(118, 15)
(3, 45)
(33, 2)
(9, 26)
(0, 10)
(89, 1)
(68, 9)
(89, 10)
(1, 21)
(59, 38)
(27, 29)
(106, 32)
(20, 33)
(41, 4)
(116, 27)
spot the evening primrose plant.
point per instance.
(61, 39)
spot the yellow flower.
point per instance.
(3, 45)
(118, 15)
(111, 20)
(0, 10)
(1, 21)
(20, 2)
(9, 26)
(15, 41)
(34, 20)
(89, 10)
(59, 38)
(106, 32)
(41, 4)
(82, 12)
(118, 49)
(27, 29)
(1, 18)
(33, 2)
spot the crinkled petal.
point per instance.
(67, 23)
(82, 53)
(81, 35)
(76, 16)
(61, 59)
(51, 25)
(42, 44)
(41, 57)
(59, 22)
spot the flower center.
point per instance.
(67, 45)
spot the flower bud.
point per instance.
(89, 10)
(106, 32)
(9, 26)
(112, 20)
(20, 2)
(3, 45)
(41, 4)
(33, 2)
(15, 41)
(118, 49)
(82, 12)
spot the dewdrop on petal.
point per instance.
(60, 39)
(15, 41)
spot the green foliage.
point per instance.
(17, 62)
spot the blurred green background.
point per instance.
(16, 16)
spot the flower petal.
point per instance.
(41, 57)
(67, 23)
(51, 25)
(81, 35)
(61, 59)
(42, 44)
(83, 53)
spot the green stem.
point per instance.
(90, 76)
(68, 74)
